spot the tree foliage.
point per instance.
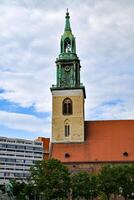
(107, 181)
(51, 178)
(22, 190)
(117, 180)
(125, 180)
(84, 185)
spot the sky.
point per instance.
(30, 32)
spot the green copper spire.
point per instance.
(67, 45)
(68, 63)
(67, 23)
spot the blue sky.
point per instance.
(30, 34)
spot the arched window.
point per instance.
(67, 128)
(67, 45)
(67, 106)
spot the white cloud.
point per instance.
(25, 122)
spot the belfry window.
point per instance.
(67, 45)
(67, 106)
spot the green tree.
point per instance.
(117, 180)
(107, 181)
(18, 189)
(94, 186)
(84, 185)
(51, 179)
(23, 190)
(125, 180)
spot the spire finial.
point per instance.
(67, 24)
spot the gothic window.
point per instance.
(67, 106)
(67, 128)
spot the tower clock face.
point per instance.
(67, 68)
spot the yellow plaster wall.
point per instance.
(76, 120)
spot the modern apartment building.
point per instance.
(17, 156)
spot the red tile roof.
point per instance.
(105, 141)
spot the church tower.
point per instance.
(69, 93)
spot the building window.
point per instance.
(67, 128)
(67, 106)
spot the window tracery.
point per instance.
(67, 106)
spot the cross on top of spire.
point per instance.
(67, 13)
